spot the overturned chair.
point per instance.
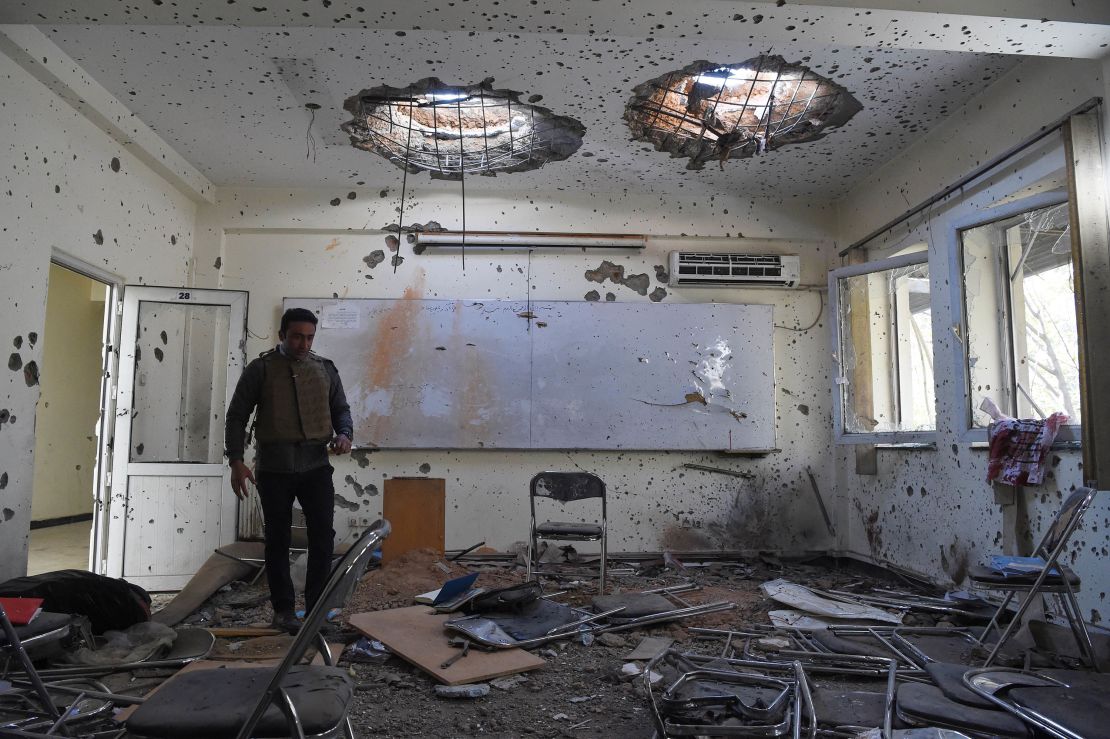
(290, 700)
(566, 487)
(1052, 577)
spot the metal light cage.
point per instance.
(455, 132)
(708, 111)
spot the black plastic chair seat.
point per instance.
(865, 646)
(42, 625)
(849, 707)
(1082, 710)
(215, 703)
(950, 679)
(982, 575)
(925, 705)
(568, 529)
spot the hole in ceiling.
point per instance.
(709, 111)
(451, 131)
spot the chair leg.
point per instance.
(16, 645)
(1079, 629)
(531, 553)
(1013, 625)
(994, 619)
(604, 557)
(1065, 606)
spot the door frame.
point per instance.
(112, 537)
(102, 464)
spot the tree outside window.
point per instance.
(885, 350)
(1020, 316)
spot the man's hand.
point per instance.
(341, 444)
(240, 473)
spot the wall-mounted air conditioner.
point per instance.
(702, 269)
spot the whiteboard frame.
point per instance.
(772, 419)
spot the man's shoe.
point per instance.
(287, 621)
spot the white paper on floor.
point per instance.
(804, 599)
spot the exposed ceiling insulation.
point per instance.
(710, 111)
(455, 132)
(227, 84)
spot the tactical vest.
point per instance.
(293, 406)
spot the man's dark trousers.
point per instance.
(315, 492)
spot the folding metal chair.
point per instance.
(291, 700)
(1054, 577)
(566, 487)
(12, 645)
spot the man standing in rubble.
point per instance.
(300, 402)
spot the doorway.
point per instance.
(68, 437)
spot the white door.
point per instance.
(170, 502)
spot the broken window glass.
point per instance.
(886, 350)
(180, 383)
(1019, 309)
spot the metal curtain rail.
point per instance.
(978, 171)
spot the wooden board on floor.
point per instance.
(416, 635)
(414, 506)
(217, 571)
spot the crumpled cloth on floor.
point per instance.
(135, 644)
(1019, 448)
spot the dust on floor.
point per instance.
(579, 693)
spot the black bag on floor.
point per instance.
(107, 602)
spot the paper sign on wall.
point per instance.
(339, 316)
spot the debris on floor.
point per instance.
(681, 644)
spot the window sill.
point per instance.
(891, 440)
(918, 446)
(1058, 446)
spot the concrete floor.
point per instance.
(63, 547)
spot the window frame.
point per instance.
(1069, 435)
(840, 435)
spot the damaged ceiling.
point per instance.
(233, 86)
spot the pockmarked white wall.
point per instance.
(64, 185)
(932, 511)
(245, 243)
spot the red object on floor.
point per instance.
(21, 611)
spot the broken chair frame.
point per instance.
(484, 630)
(686, 663)
(341, 583)
(984, 682)
(1051, 547)
(39, 713)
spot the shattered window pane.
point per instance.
(886, 351)
(180, 383)
(1022, 342)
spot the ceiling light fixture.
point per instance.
(709, 111)
(517, 240)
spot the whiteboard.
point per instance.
(467, 374)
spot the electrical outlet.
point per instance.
(352, 521)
